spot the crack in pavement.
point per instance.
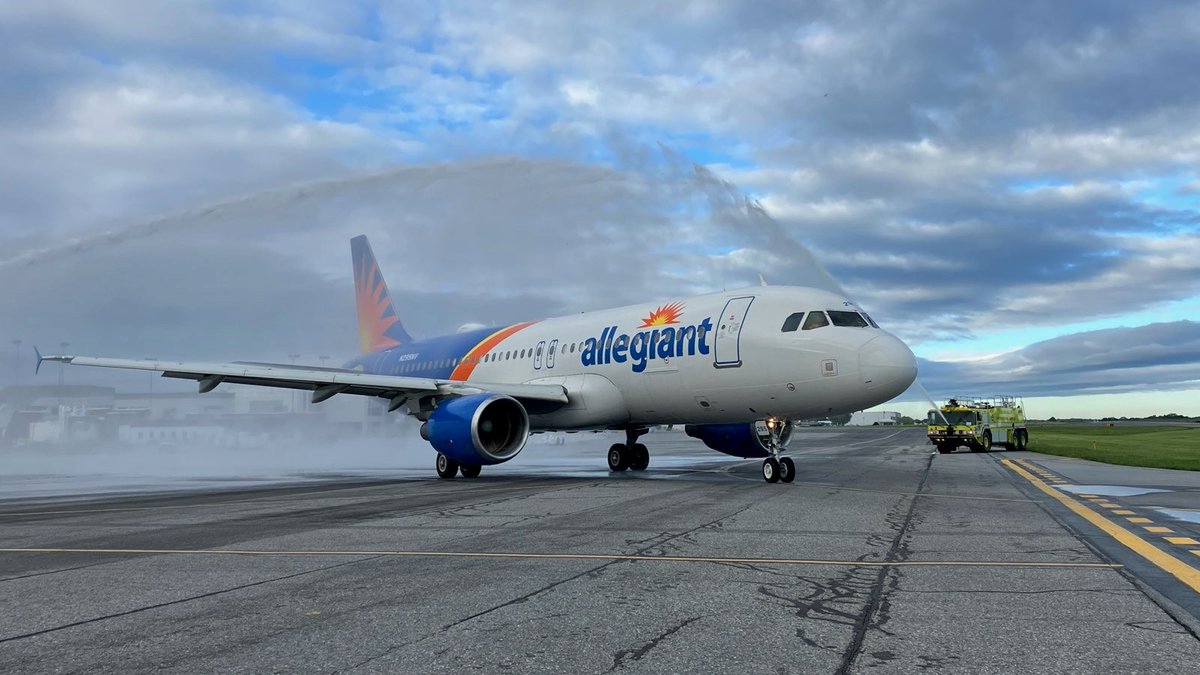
(878, 603)
(591, 572)
(623, 656)
(169, 603)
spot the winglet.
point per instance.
(41, 358)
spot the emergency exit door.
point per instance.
(726, 347)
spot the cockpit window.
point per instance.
(870, 320)
(815, 320)
(791, 323)
(849, 319)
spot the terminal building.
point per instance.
(230, 417)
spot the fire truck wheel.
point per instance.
(987, 441)
(1022, 439)
(945, 449)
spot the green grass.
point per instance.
(1154, 446)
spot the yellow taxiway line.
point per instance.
(567, 556)
(1164, 561)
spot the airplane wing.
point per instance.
(323, 382)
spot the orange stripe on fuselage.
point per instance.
(467, 365)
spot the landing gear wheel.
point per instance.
(640, 457)
(618, 458)
(446, 467)
(787, 469)
(770, 470)
(470, 470)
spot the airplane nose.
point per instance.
(887, 366)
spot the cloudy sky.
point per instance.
(1015, 193)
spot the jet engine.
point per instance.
(740, 440)
(478, 429)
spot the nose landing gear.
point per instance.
(775, 468)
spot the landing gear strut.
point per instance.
(449, 469)
(630, 454)
(446, 467)
(776, 468)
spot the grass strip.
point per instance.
(1159, 447)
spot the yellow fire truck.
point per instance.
(978, 423)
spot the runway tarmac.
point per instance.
(881, 557)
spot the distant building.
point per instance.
(43, 411)
(169, 436)
(879, 418)
(177, 406)
(233, 416)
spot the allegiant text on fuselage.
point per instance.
(644, 346)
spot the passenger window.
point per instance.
(815, 320)
(847, 319)
(791, 323)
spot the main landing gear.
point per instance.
(448, 468)
(630, 454)
(777, 469)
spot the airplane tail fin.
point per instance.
(378, 325)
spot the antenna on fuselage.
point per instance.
(762, 281)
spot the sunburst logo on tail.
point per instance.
(375, 315)
(663, 316)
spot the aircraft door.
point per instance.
(550, 353)
(538, 352)
(726, 349)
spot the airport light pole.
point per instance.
(296, 400)
(17, 363)
(62, 349)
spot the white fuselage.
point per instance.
(624, 366)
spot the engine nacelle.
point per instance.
(478, 429)
(740, 440)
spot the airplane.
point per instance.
(736, 368)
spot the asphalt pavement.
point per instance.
(882, 557)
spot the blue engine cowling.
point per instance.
(739, 440)
(478, 429)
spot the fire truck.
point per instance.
(978, 423)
